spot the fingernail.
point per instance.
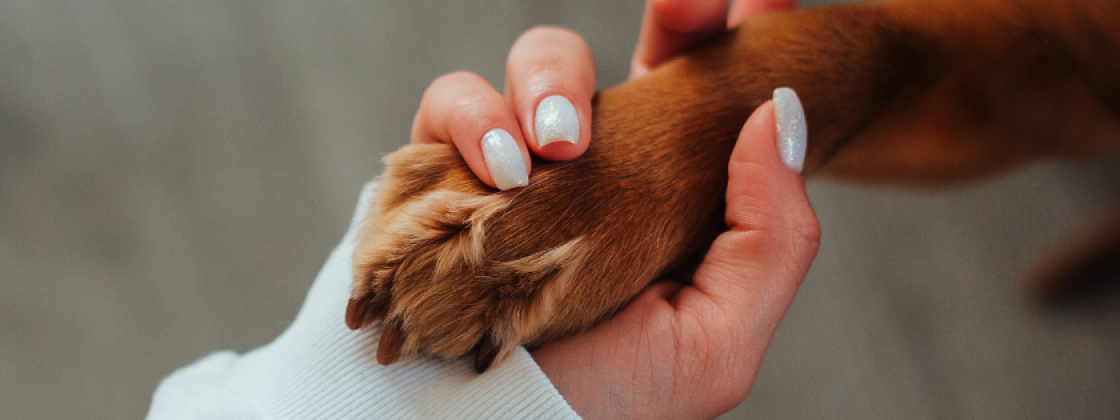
(504, 160)
(556, 121)
(792, 132)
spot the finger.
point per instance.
(550, 79)
(753, 270)
(745, 9)
(670, 26)
(463, 109)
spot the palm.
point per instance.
(656, 350)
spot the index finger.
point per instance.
(550, 80)
(463, 109)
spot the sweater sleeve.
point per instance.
(320, 369)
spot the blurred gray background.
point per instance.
(173, 173)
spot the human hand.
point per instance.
(678, 351)
(694, 351)
(461, 108)
(546, 109)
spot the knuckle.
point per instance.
(561, 42)
(470, 116)
(465, 103)
(551, 33)
(455, 79)
(474, 112)
(549, 56)
(544, 68)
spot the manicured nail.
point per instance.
(792, 131)
(504, 159)
(557, 121)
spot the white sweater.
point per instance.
(319, 369)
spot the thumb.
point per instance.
(753, 270)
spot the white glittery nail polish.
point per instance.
(792, 131)
(556, 120)
(504, 160)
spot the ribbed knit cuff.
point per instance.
(320, 369)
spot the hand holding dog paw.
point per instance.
(677, 351)
(428, 241)
(693, 351)
(451, 266)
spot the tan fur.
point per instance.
(917, 92)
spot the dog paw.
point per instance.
(443, 263)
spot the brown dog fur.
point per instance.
(914, 92)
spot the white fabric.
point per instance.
(319, 369)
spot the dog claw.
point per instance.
(362, 311)
(392, 337)
(356, 314)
